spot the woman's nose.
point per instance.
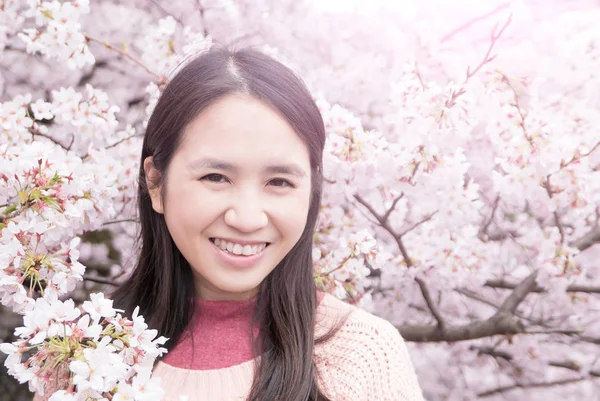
(246, 217)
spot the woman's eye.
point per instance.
(213, 178)
(280, 182)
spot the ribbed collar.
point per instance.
(206, 309)
(218, 335)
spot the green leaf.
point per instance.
(47, 14)
(10, 209)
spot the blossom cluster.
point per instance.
(57, 32)
(86, 353)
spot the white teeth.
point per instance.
(249, 250)
(238, 249)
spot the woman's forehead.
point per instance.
(240, 129)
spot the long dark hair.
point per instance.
(161, 283)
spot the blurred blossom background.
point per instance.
(462, 198)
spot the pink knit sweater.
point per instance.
(367, 360)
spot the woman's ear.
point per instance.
(152, 178)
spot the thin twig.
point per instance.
(100, 280)
(557, 219)
(473, 21)
(430, 303)
(34, 132)
(517, 106)
(202, 19)
(120, 221)
(120, 141)
(486, 59)
(504, 389)
(487, 224)
(426, 219)
(124, 54)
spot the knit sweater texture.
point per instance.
(367, 360)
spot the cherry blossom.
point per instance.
(461, 176)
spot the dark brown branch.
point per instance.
(120, 221)
(120, 141)
(504, 389)
(496, 325)
(100, 280)
(34, 132)
(4, 217)
(570, 365)
(383, 221)
(473, 295)
(426, 219)
(518, 295)
(590, 238)
(591, 289)
(555, 331)
(501, 323)
(431, 304)
(404, 251)
(496, 353)
(386, 216)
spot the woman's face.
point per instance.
(239, 180)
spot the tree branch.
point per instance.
(467, 24)
(592, 237)
(202, 18)
(383, 222)
(496, 325)
(432, 307)
(518, 295)
(473, 295)
(100, 280)
(121, 221)
(483, 233)
(570, 365)
(34, 132)
(591, 289)
(501, 323)
(124, 54)
(504, 389)
(486, 59)
(426, 219)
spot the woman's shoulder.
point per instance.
(367, 358)
(356, 320)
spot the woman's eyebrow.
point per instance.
(209, 163)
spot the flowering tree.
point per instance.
(462, 197)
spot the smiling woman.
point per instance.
(229, 193)
(241, 176)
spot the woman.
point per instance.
(229, 192)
